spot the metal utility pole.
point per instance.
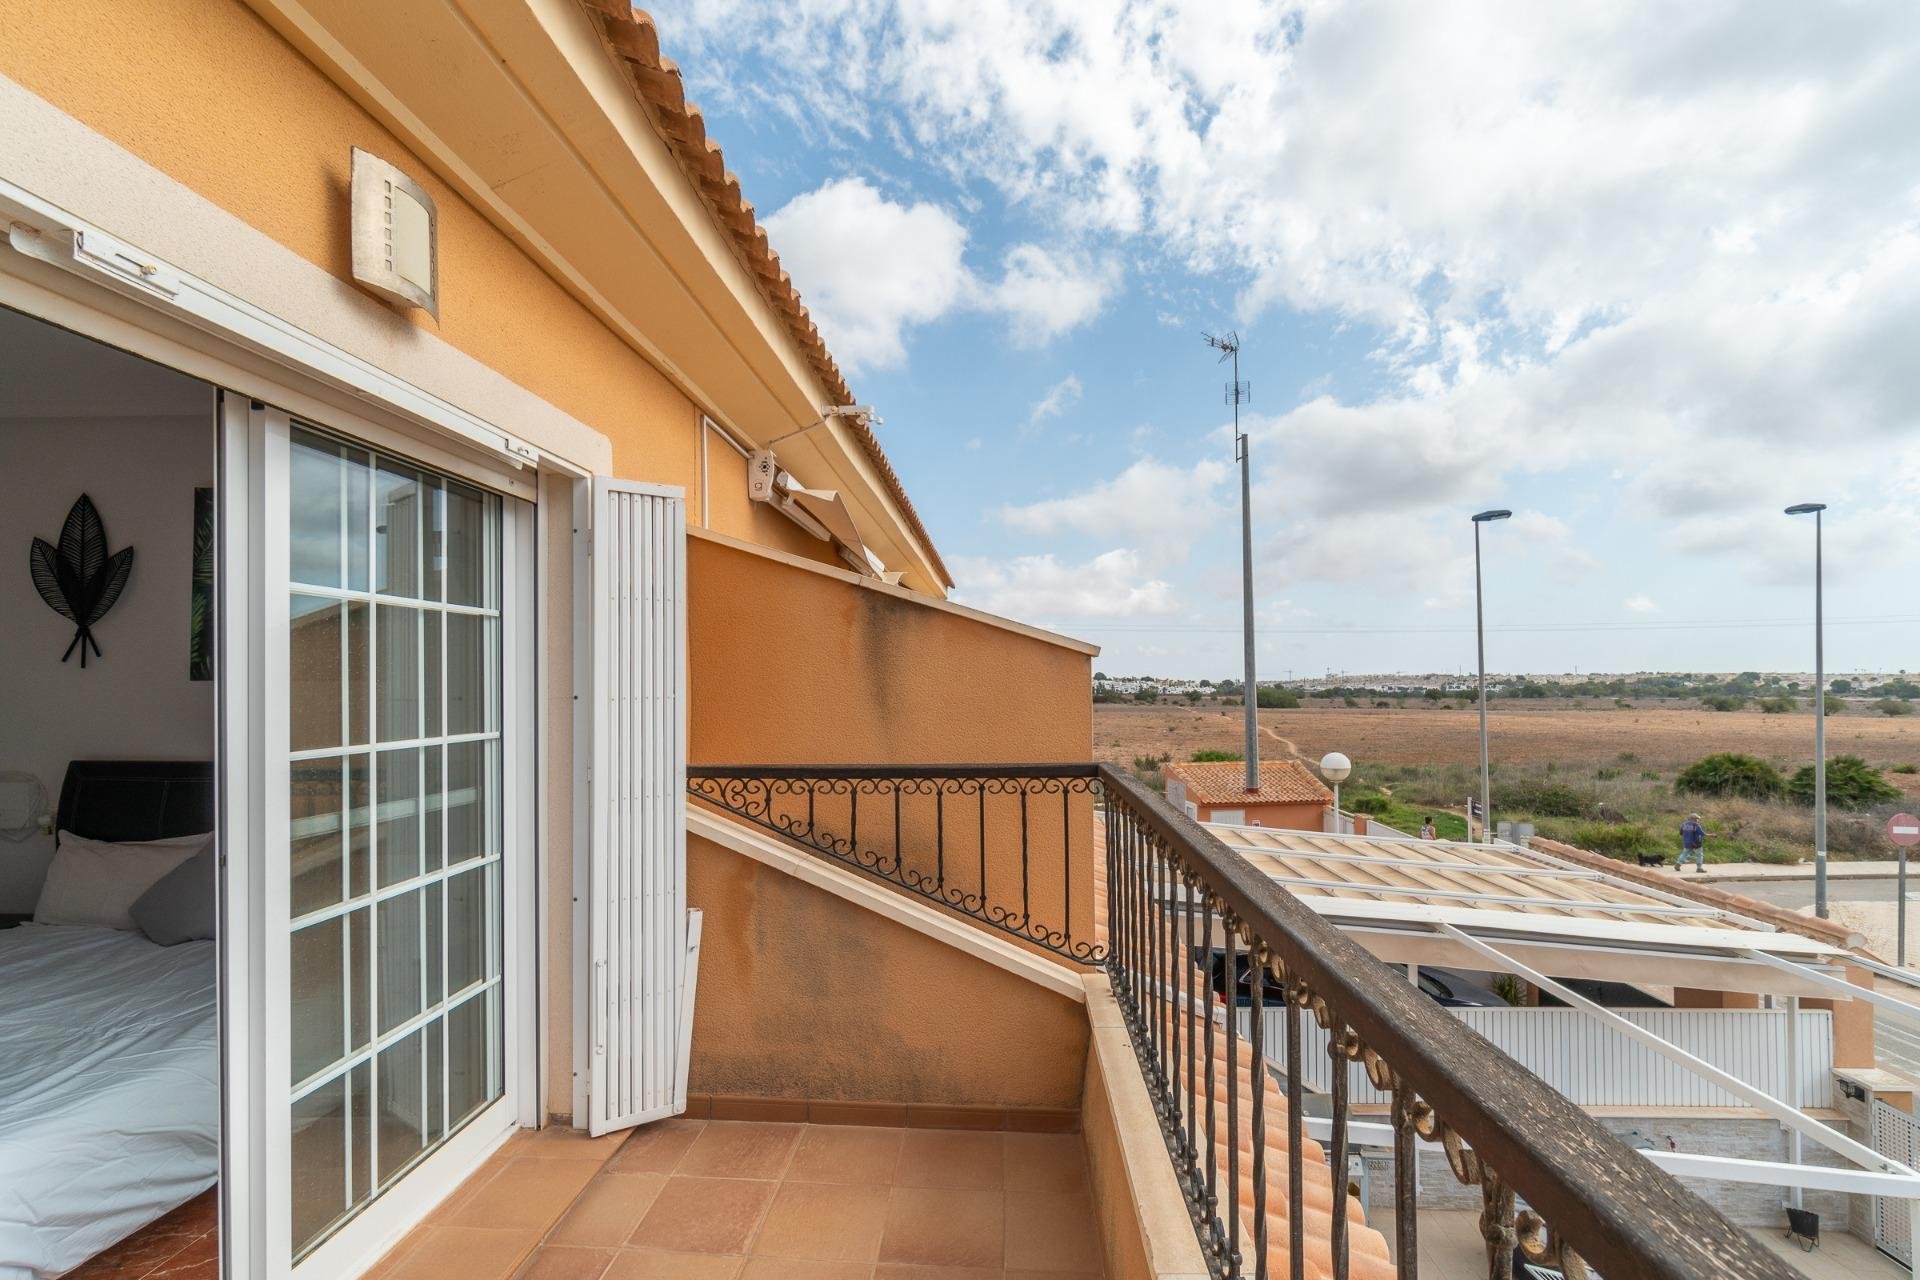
(1238, 392)
(1480, 638)
(1819, 715)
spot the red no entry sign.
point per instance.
(1903, 829)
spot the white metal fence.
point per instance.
(1597, 1067)
(1896, 1134)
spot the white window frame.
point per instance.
(376, 1228)
(256, 1226)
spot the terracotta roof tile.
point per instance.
(1281, 782)
(634, 40)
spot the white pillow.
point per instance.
(96, 882)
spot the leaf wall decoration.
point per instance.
(79, 579)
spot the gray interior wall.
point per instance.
(78, 418)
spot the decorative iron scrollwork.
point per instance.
(790, 806)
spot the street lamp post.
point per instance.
(1819, 714)
(1480, 635)
(1335, 767)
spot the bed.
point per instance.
(109, 1060)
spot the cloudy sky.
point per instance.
(1646, 274)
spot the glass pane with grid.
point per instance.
(394, 747)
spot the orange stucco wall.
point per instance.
(1288, 817)
(789, 666)
(793, 666)
(209, 94)
(805, 996)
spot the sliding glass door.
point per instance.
(395, 824)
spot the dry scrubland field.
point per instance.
(1521, 734)
(1600, 775)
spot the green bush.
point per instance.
(1210, 756)
(1367, 804)
(1776, 706)
(1349, 701)
(1273, 696)
(1728, 773)
(1893, 707)
(1538, 797)
(1723, 702)
(1835, 706)
(1621, 839)
(1852, 783)
(1905, 768)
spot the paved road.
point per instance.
(1794, 894)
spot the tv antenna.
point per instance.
(1239, 393)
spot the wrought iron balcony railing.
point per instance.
(1008, 845)
(1182, 923)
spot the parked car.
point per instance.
(1449, 987)
(1456, 989)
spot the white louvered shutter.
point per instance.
(643, 944)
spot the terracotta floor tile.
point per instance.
(952, 1158)
(558, 1142)
(657, 1147)
(802, 1269)
(867, 1157)
(897, 1271)
(560, 1262)
(823, 1222)
(944, 1227)
(527, 1193)
(653, 1264)
(740, 1149)
(1046, 1162)
(609, 1209)
(1048, 1231)
(466, 1253)
(704, 1215)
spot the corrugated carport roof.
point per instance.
(1392, 894)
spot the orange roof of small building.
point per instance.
(1225, 782)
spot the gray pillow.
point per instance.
(182, 904)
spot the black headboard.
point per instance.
(137, 799)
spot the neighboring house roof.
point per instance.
(1281, 782)
(1398, 896)
(635, 40)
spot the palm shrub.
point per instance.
(1852, 783)
(1729, 773)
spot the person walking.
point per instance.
(1427, 832)
(1693, 844)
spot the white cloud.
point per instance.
(1045, 295)
(871, 268)
(1114, 584)
(1677, 246)
(868, 268)
(1065, 392)
(1639, 604)
(1158, 508)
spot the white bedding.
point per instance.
(109, 1089)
